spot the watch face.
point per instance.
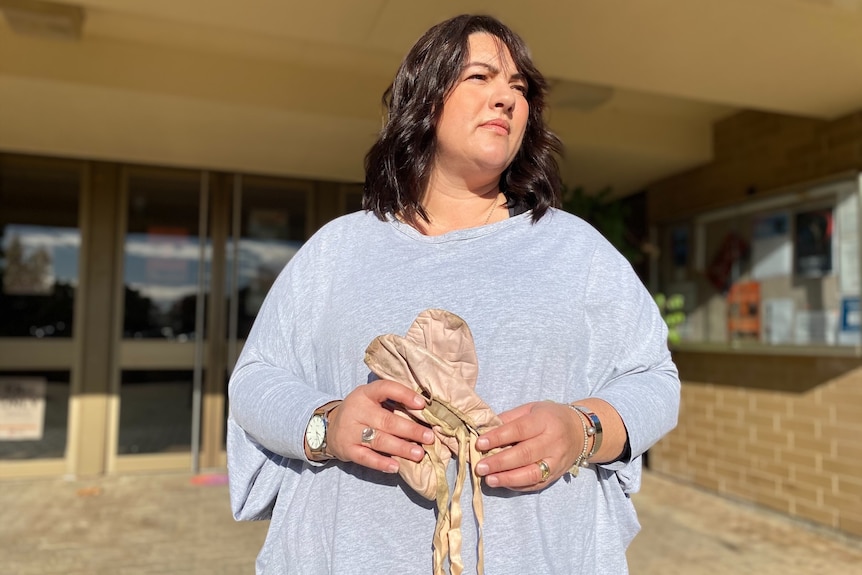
(315, 433)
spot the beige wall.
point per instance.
(782, 431)
(757, 154)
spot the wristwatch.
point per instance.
(315, 432)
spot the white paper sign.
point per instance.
(848, 245)
(772, 248)
(778, 321)
(22, 408)
(816, 327)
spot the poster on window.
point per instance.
(679, 244)
(733, 251)
(22, 408)
(816, 326)
(743, 311)
(850, 325)
(847, 234)
(814, 243)
(778, 321)
(771, 247)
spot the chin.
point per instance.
(498, 166)
(495, 160)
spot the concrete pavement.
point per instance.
(178, 524)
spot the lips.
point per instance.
(501, 126)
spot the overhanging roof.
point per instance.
(293, 88)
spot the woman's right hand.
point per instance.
(365, 407)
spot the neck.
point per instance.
(450, 212)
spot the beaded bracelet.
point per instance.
(593, 430)
(582, 458)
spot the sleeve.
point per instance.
(272, 396)
(629, 362)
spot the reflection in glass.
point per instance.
(273, 227)
(39, 244)
(260, 262)
(779, 272)
(155, 412)
(45, 405)
(162, 258)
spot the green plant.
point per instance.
(609, 217)
(672, 310)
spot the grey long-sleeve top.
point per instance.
(556, 313)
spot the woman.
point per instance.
(461, 195)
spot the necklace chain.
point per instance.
(491, 211)
(494, 206)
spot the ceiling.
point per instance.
(293, 88)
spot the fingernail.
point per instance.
(482, 443)
(418, 401)
(392, 468)
(428, 436)
(417, 452)
(482, 468)
(492, 481)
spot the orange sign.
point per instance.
(743, 310)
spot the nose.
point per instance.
(503, 96)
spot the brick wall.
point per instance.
(781, 431)
(757, 154)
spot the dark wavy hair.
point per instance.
(398, 165)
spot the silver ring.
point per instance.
(368, 435)
(545, 469)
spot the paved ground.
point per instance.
(180, 525)
(687, 531)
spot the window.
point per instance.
(780, 271)
(39, 244)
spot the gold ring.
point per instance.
(546, 471)
(368, 435)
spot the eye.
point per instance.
(521, 88)
(477, 76)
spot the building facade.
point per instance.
(127, 291)
(139, 234)
(764, 245)
(126, 294)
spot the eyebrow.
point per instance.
(494, 70)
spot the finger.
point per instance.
(369, 458)
(382, 390)
(517, 430)
(525, 478)
(511, 458)
(513, 414)
(387, 444)
(403, 427)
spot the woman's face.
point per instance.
(484, 116)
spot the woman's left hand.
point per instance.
(540, 431)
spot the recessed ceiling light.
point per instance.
(44, 19)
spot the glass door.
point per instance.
(201, 252)
(271, 219)
(165, 267)
(39, 252)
